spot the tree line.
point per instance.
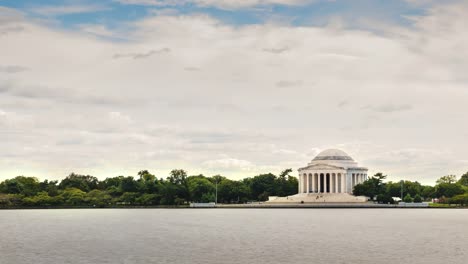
(179, 189)
(144, 190)
(447, 190)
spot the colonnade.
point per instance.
(328, 182)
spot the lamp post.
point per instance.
(216, 192)
(401, 185)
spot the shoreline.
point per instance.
(247, 206)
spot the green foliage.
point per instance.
(371, 187)
(199, 186)
(448, 189)
(385, 199)
(98, 198)
(128, 184)
(428, 192)
(417, 198)
(85, 183)
(128, 198)
(408, 199)
(464, 179)
(73, 196)
(207, 198)
(447, 179)
(262, 186)
(148, 199)
(461, 199)
(28, 186)
(180, 189)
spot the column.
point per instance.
(343, 183)
(307, 181)
(336, 183)
(304, 183)
(313, 182)
(325, 183)
(299, 183)
(319, 183)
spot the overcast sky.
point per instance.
(232, 87)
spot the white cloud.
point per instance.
(215, 96)
(68, 9)
(224, 4)
(228, 163)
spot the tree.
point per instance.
(448, 189)
(408, 199)
(230, 191)
(148, 199)
(263, 185)
(50, 187)
(461, 199)
(128, 184)
(447, 179)
(417, 199)
(371, 187)
(199, 186)
(98, 198)
(428, 192)
(385, 199)
(286, 184)
(147, 182)
(464, 179)
(73, 196)
(178, 178)
(28, 186)
(128, 197)
(85, 183)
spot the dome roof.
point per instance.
(332, 154)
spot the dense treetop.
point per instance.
(144, 190)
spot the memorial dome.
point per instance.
(333, 154)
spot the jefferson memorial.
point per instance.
(329, 177)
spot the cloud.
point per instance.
(223, 4)
(343, 104)
(191, 69)
(12, 69)
(8, 15)
(96, 29)
(276, 50)
(389, 108)
(228, 163)
(154, 2)
(141, 55)
(10, 21)
(164, 113)
(68, 9)
(285, 84)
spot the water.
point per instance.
(234, 236)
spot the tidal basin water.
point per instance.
(234, 236)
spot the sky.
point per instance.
(232, 87)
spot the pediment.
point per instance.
(322, 167)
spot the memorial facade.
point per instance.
(331, 171)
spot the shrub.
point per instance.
(408, 199)
(417, 199)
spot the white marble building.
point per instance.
(329, 177)
(331, 171)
